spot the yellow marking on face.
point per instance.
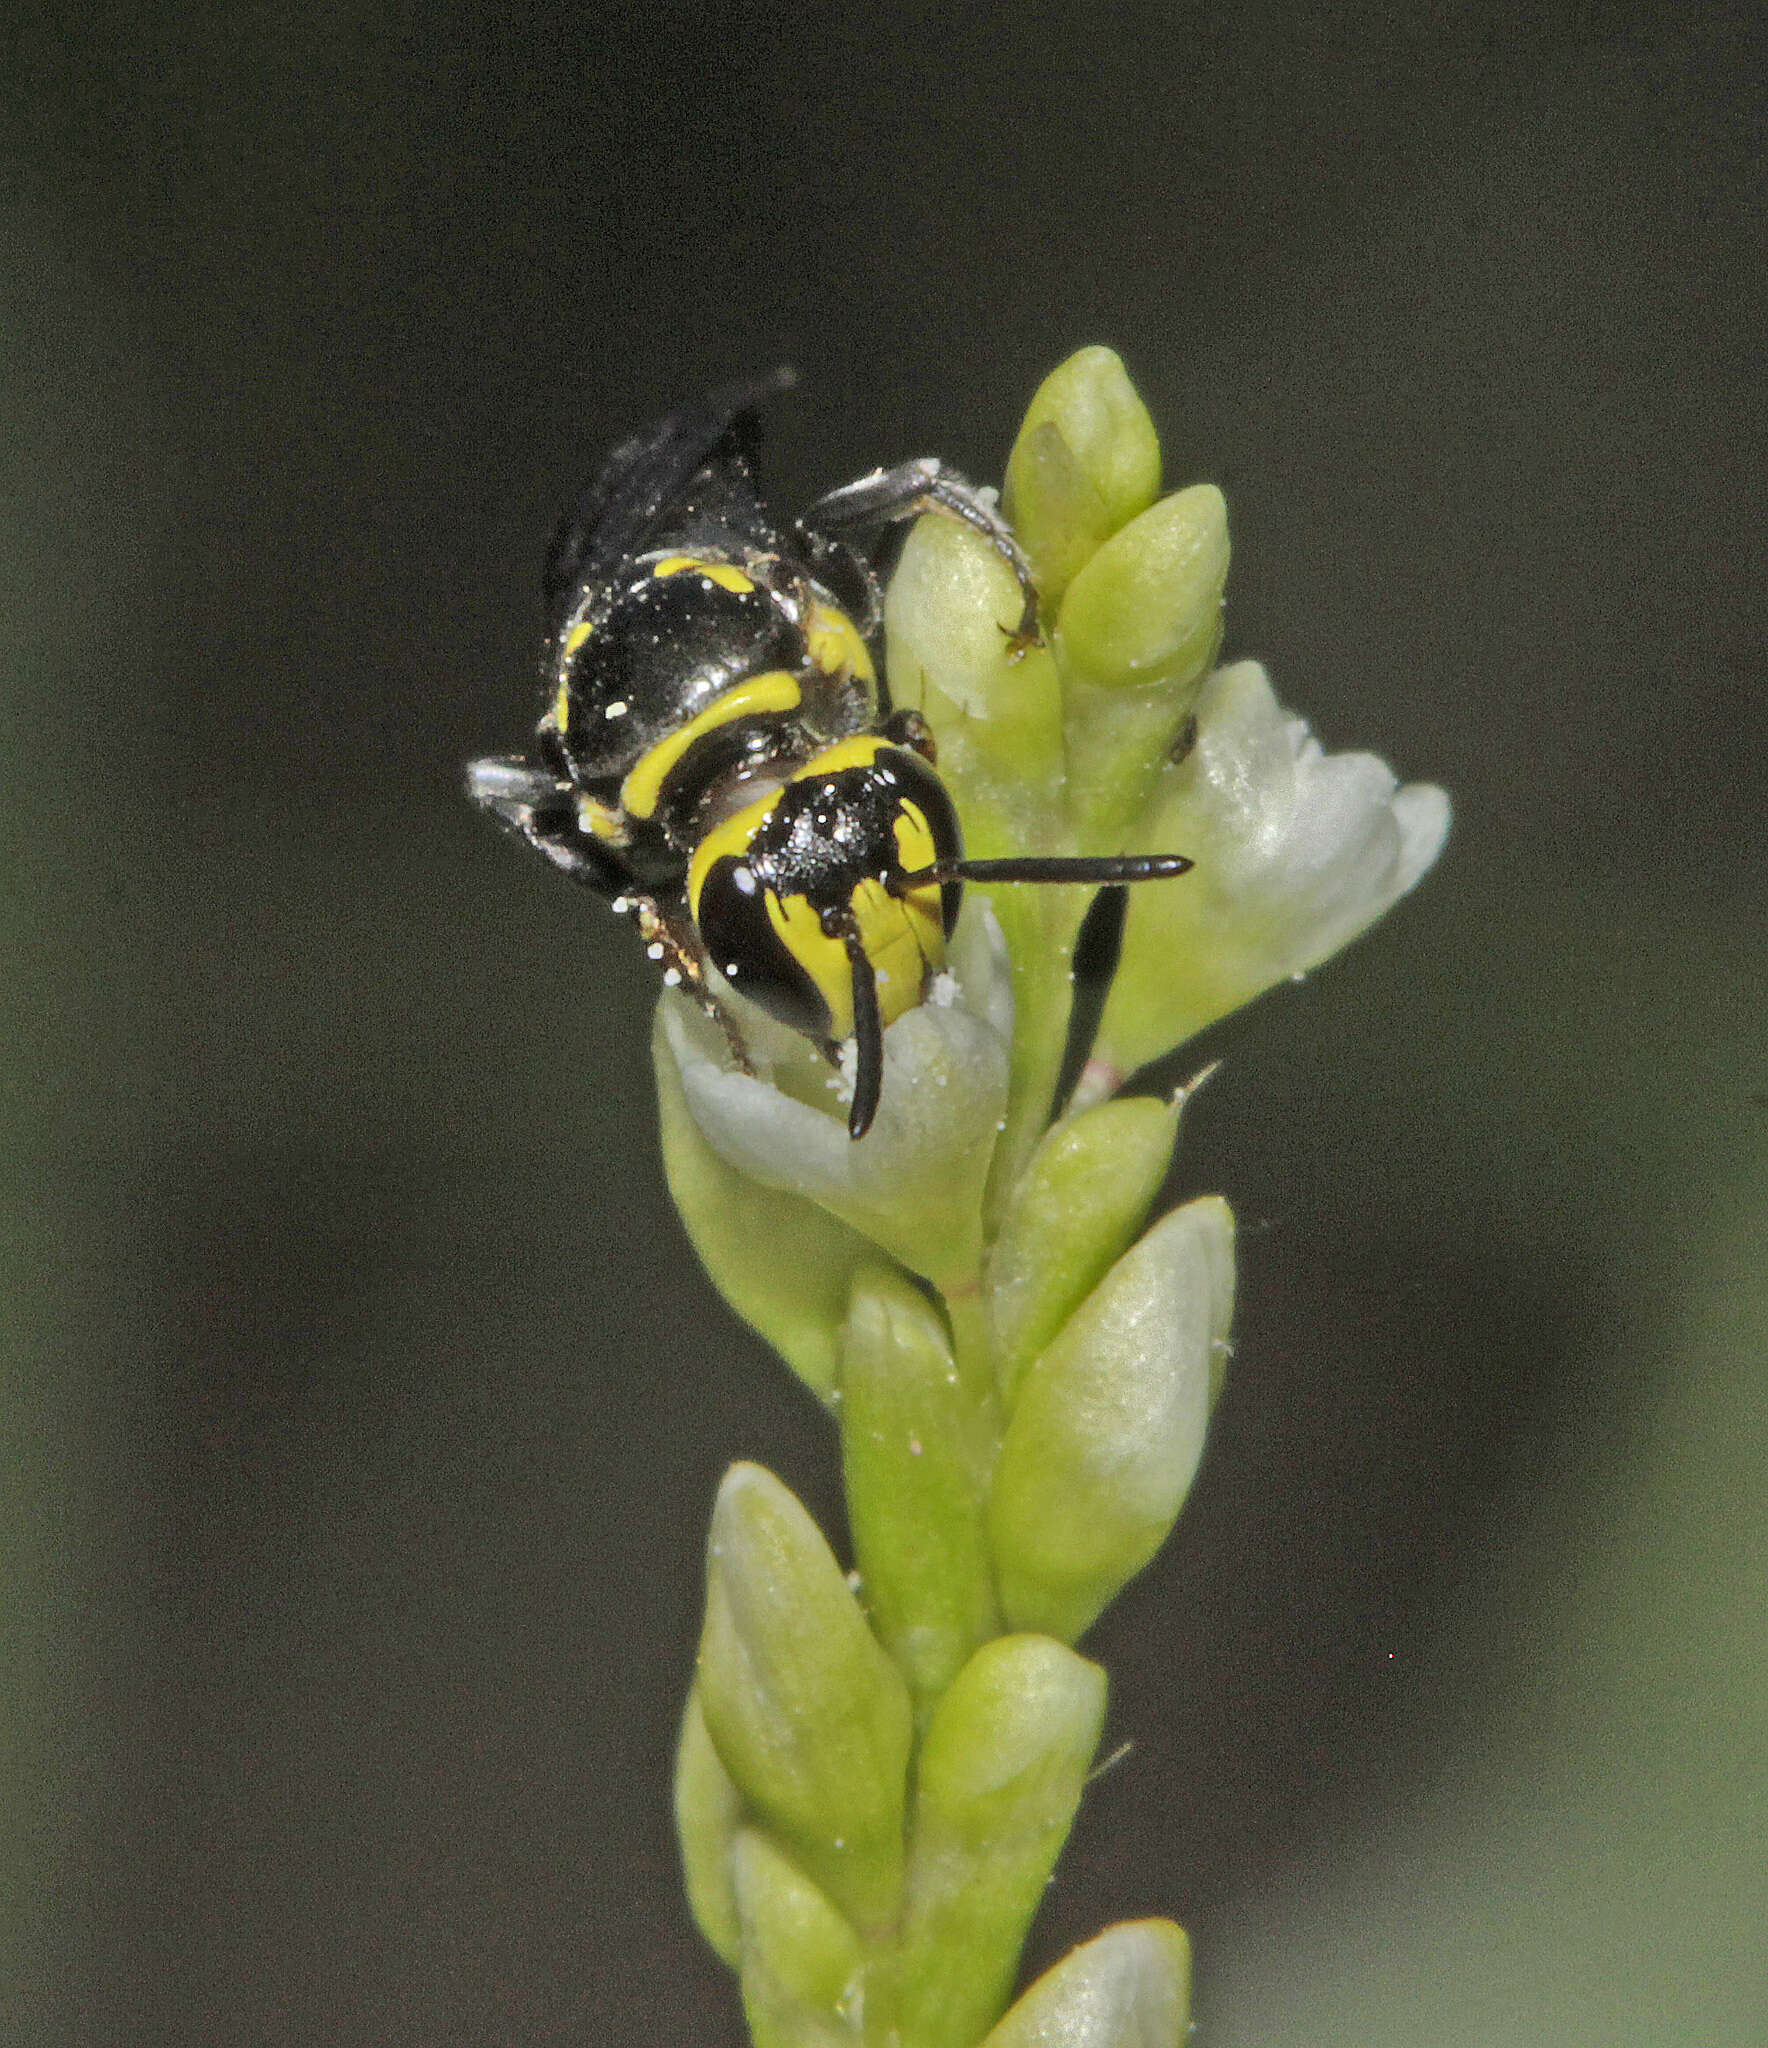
(914, 839)
(925, 906)
(889, 935)
(576, 637)
(887, 931)
(601, 820)
(721, 573)
(822, 958)
(776, 689)
(730, 838)
(835, 645)
(561, 711)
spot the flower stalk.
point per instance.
(877, 1772)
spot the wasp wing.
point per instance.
(643, 482)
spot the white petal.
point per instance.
(913, 1183)
(1296, 851)
(1421, 811)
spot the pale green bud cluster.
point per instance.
(878, 1768)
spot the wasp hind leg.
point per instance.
(889, 496)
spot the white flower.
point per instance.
(913, 1184)
(1297, 851)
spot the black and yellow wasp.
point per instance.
(718, 753)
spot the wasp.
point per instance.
(718, 754)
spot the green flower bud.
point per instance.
(1019, 1435)
(1080, 1202)
(809, 1717)
(916, 1450)
(1001, 1773)
(1138, 630)
(1297, 851)
(738, 1227)
(708, 1813)
(1146, 610)
(1087, 460)
(801, 1959)
(1129, 1988)
(1108, 1428)
(948, 612)
(1217, 1245)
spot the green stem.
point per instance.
(880, 2025)
(1040, 925)
(973, 1353)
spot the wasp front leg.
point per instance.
(671, 942)
(889, 496)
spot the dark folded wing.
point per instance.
(643, 478)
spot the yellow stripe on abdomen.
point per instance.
(721, 573)
(835, 645)
(774, 690)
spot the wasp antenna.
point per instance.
(868, 1037)
(1098, 870)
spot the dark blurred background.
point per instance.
(363, 1403)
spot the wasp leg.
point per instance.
(847, 576)
(541, 807)
(907, 728)
(889, 496)
(671, 943)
